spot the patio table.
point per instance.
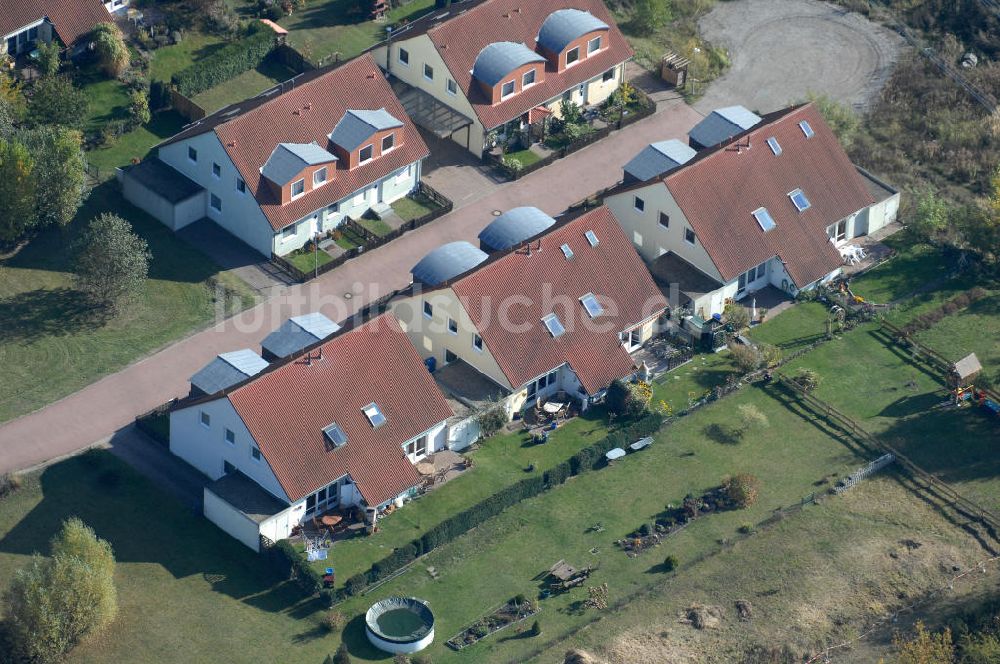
(616, 453)
(552, 406)
(425, 468)
(331, 519)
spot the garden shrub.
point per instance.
(670, 563)
(109, 42)
(227, 63)
(333, 621)
(9, 483)
(742, 489)
(491, 420)
(746, 358)
(341, 656)
(628, 399)
(290, 564)
(536, 628)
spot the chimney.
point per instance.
(309, 106)
(320, 358)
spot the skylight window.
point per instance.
(374, 415)
(553, 325)
(591, 238)
(774, 145)
(567, 252)
(799, 200)
(590, 303)
(335, 435)
(764, 218)
(806, 128)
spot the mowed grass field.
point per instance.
(51, 342)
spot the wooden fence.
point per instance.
(867, 441)
(372, 240)
(187, 108)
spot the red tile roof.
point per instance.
(287, 408)
(72, 18)
(720, 188)
(554, 284)
(250, 138)
(460, 39)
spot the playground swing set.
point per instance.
(961, 382)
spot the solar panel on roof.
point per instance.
(764, 218)
(554, 326)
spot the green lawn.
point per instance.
(248, 84)
(692, 381)
(376, 226)
(134, 145)
(524, 157)
(975, 329)
(412, 207)
(913, 266)
(51, 342)
(169, 60)
(801, 325)
(504, 556)
(307, 261)
(325, 27)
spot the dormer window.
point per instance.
(388, 142)
(335, 435)
(374, 415)
(572, 56)
(298, 188)
(528, 78)
(799, 200)
(319, 177)
(365, 154)
(553, 325)
(594, 45)
(507, 89)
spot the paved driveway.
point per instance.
(102, 408)
(783, 49)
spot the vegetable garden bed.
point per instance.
(512, 612)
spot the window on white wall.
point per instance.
(288, 232)
(404, 57)
(255, 453)
(451, 87)
(428, 309)
(205, 419)
(452, 326)
(609, 75)
(230, 436)
(428, 72)
(216, 171)
(638, 204)
(241, 185)
(689, 236)
(477, 342)
(192, 154)
(216, 203)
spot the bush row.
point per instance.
(290, 564)
(589, 458)
(228, 62)
(927, 320)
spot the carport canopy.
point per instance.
(428, 112)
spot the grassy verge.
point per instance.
(169, 60)
(248, 84)
(376, 226)
(50, 341)
(307, 261)
(134, 145)
(524, 157)
(799, 326)
(325, 27)
(410, 207)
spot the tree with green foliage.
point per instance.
(48, 58)
(752, 417)
(628, 399)
(56, 101)
(139, 106)
(17, 191)
(925, 647)
(112, 52)
(930, 217)
(746, 358)
(112, 262)
(742, 489)
(737, 315)
(648, 16)
(54, 602)
(59, 172)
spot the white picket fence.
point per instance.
(862, 473)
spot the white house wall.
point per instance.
(241, 215)
(173, 215)
(422, 51)
(206, 448)
(462, 433)
(231, 520)
(394, 186)
(649, 238)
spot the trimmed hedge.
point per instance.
(227, 63)
(587, 459)
(290, 564)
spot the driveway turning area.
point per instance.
(781, 51)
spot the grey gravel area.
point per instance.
(781, 50)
